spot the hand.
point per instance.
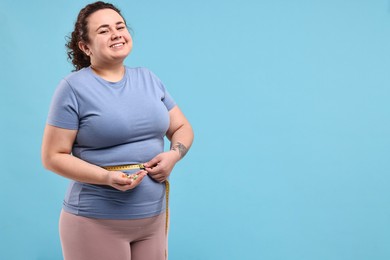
(124, 182)
(160, 167)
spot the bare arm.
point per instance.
(181, 135)
(180, 132)
(56, 156)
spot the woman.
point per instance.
(105, 132)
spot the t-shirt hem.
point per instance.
(170, 106)
(62, 125)
(112, 216)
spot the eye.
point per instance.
(103, 31)
(121, 28)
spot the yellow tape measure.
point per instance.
(166, 215)
(124, 167)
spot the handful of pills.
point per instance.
(133, 176)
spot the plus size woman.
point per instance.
(105, 132)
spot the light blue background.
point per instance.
(289, 101)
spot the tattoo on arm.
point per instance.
(180, 148)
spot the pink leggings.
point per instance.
(104, 239)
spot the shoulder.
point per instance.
(78, 79)
(77, 74)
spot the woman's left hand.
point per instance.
(160, 167)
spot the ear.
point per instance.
(84, 47)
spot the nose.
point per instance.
(115, 35)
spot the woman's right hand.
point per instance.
(124, 182)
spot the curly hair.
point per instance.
(80, 33)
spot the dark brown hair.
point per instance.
(80, 33)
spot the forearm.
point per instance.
(76, 169)
(160, 167)
(181, 140)
(56, 156)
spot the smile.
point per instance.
(116, 45)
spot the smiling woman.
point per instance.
(109, 42)
(105, 132)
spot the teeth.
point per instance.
(116, 45)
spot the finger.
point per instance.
(141, 172)
(153, 170)
(152, 163)
(137, 178)
(159, 177)
(122, 179)
(124, 182)
(138, 175)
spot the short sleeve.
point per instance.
(63, 110)
(167, 98)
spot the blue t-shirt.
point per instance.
(118, 123)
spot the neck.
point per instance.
(111, 73)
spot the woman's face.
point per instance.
(109, 40)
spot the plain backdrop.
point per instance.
(289, 101)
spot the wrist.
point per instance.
(106, 177)
(176, 154)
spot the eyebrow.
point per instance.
(106, 25)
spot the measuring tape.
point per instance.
(141, 166)
(124, 167)
(166, 215)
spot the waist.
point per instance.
(124, 167)
(98, 201)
